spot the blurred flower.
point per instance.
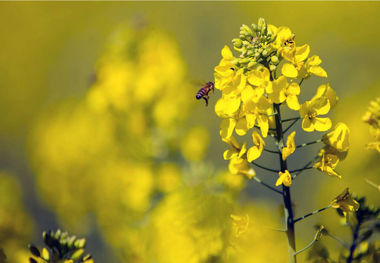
(345, 202)
(372, 117)
(195, 143)
(327, 162)
(240, 224)
(338, 137)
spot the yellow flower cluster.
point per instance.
(269, 71)
(372, 117)
(113, 149)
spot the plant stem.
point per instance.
(310, 214)
(288, 210)
(267, 185)
(354, 244)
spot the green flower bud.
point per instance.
(274, 59)
(262, 26)
(257, 55)
(265, 53)
(77, 254)
(255, 28)
(245, 30)
(237, 42)
(272, 67)
(244, 60)
(250, 53)
(251, 64)
(80, 243)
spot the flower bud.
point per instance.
(251, 64)
(244, 60)
(245, 30)
(265, 53)
(255, 28)
(262, 26)
(274, 59)
(272, 67)
(237, 42)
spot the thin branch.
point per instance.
(308, 143)
(291, 125)
(338, 240)
(265, 168)
(267, 185)
(372, 184)
(312, 213)
(301, 169)
(306, 165)
(301, 82)
(308, 246)
(291, 119)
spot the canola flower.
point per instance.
(115, 149)
(372, 117)
(265, 76)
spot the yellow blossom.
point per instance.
(290, 146)
(325, 90)
(338, 137)
(310, 110)
(255, 151)
(240, 224)
(327, 162)
(297, 57)
(311, 66)
(284, 178)
(345, 202)
(282, 91)
(236, 151)
(227, 127)
(260, 77)
(241, 166)
(227, 106)
(224, 72)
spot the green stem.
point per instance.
(308, 143)
(354, 242)
(312, 213)
(266, 185)
(288, 209)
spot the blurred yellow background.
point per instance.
(70, 131)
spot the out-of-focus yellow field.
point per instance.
(101, 134)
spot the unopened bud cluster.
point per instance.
(254, 45)
(62, 246)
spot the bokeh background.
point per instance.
(100, 133)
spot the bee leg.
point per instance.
(206, 99)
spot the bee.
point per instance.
(203, 92)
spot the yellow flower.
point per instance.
(240, 224)
(284, 41)
(345, 202)
(237, 150)
(327, 162)
(227, 106)
(224, 72)
(241, 166)
(290, 146)
(255, 151)
(311, 66)
(227, 128)
(282, 91)
(310, 110)
(297, 57)
(260, 77)
(325, 90)
(284, 178)
(338, 138)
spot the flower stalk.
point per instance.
(288, 209)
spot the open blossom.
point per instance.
(338, 138)
(290, 146)
(283, 91)
(284, 178)
(240, 166)
(310, 111)
(327, 162)
(237, 150)
(345, 202)
(255, 151)
(326, 91)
